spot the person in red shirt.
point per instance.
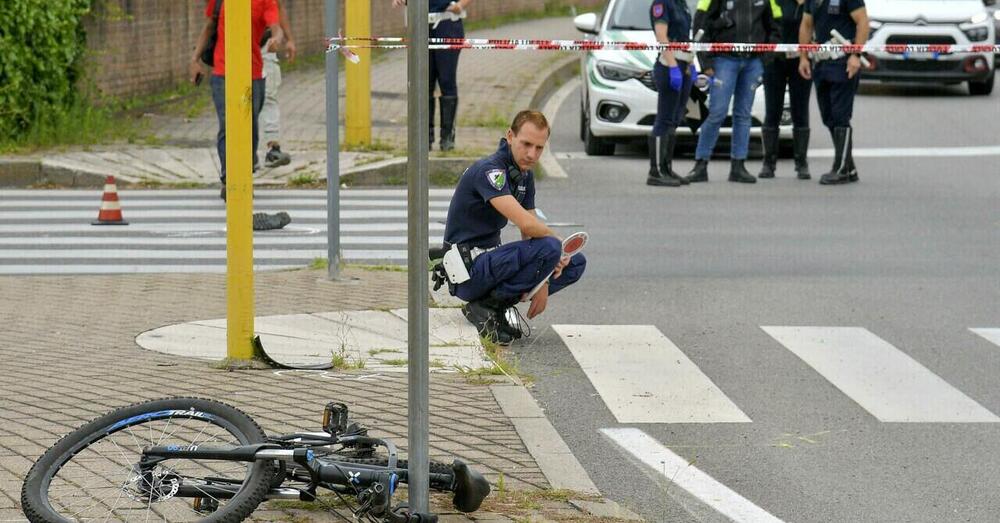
(263, 16)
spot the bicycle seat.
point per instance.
(471, 488)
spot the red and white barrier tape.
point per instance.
(607, 45)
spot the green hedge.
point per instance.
(42, 43)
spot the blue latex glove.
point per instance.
(676, 78)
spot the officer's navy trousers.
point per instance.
(670, 105)
(835, 92)
(777, 74)
(515, 268)
(444, 63)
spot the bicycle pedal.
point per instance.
(335, 418)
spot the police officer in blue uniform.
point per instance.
(444, 67)
(782, 72)
(836, 77)
(493, 190)
(671, 22)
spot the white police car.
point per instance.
(618, 96)
(961, 22)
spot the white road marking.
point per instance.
(174, 254)
(172, 227)
(203, 204)
(212, 214)
(261, 240)
(883, 380)
(688, 477)
(992, 335)
(548, 159)
(860, 152)
(644, 378)
(292, 193)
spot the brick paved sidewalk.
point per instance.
(69, 355)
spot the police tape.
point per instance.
(344, 43)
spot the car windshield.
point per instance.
(633, 15)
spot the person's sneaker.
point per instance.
(263, 221)
(485, 321)
(276, 158)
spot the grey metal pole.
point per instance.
(331, 25)
(417, 261)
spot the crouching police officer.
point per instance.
(781, 72)
(836, 75)
(496, 189)
(672, 73)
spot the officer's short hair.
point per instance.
(535, 117)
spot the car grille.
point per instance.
(920, 66)
(647, 80)
(919, 40)
(650, 119)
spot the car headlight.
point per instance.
(616, 72)
(977, 34)
(996, 15)
(978, 18)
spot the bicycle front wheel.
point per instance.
(94, 473)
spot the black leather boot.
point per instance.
(841, 145)
(738, 173)
(430, 111)
(667, 160)
(657, 175)
(800, 148)
(699, 173)
(449, 106)
(769, 138)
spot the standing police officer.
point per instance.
(444, 66)
(672, 73)
(496, 189)
(737, 76)
(783, 71)
(836, 75)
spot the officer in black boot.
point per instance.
(783, 71)
(672, 73)
(836, 75)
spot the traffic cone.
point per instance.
(111, 210)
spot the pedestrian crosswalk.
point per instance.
(643, 377)
(49, 231)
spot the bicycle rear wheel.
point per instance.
(93, 473)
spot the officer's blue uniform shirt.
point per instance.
(676, 15)
(833, 14)
(472, 219)
(437, 6)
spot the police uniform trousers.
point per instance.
(444, 63)
(513, 269)
(671, 106)
(835, 92)
(779, 73)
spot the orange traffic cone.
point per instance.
(111, 210)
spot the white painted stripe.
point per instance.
(261, 240)
(164, 254)
(883, 380)
(20, 270)
(219, 214)
(548, 161)
(682, 473)
(173, 227)
(864, 152)
(282, 204)
(991, 335)
(166, 193)
(644, 378)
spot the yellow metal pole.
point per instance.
(239, 183)
(358, 113)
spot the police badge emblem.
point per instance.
(497, 178)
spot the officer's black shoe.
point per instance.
(263, 221)
(800, 148)
(769, 139)
(657, 175)
(449, 106)
(840, 173)
(738, 173)
(669, 146)
(699, 173)
(486, 321)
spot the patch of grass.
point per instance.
(376, 352)
(377, 268)
(231, 364)
(496, 119)
(79, 124)
(157, 184)
(436, 364)
(370, 160)
(319, 263)
(399, 362)
(376, 146)
(444, 178)
(306, 179)
(520, 502)
(504, 365)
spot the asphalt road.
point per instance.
(909, 254)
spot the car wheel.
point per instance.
(593, 145)
(583, 122)
(983, 88)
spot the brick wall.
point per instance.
(143, 46)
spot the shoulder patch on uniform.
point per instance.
(497, 178)
(657, 10)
